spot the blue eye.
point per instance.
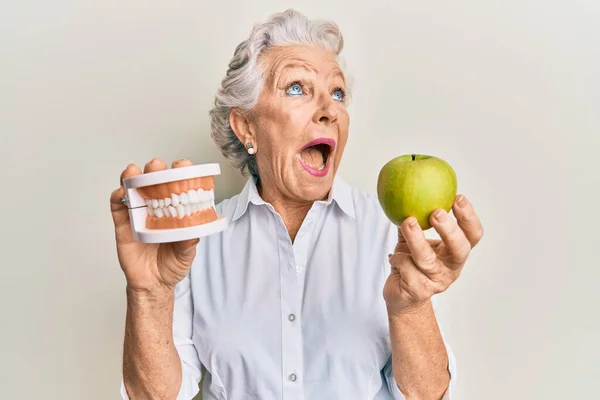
(338, 95)
(295, 90)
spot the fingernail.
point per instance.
(440, 215)
(461, 202)
(412, 222)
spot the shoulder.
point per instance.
(227, 206)
(366, 206)
(369, 216)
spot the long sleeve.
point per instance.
(182, 338)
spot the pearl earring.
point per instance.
(250, 148)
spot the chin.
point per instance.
(311, 188)
(315, 183)
(315, 191)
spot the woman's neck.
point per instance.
(291, 211)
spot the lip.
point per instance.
(317, 141)
(312, 171)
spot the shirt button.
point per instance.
(298, 269)
(291, 317)
(293, 377)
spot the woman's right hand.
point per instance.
(149, 267)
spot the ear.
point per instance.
(240, 124)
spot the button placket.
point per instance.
(291, 303)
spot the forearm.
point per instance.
(419, 357)
(151, 364)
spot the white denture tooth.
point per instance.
(158, 212)
(193, 208)
(193, 196)
(174, 199)
(166, 211)
(201, 195)
(167, 201)
(184, 199)
(180, 211)
(188, 209)
(172, 211)
(161, 203)
(150, 211)
(206, 205)
(154, 203)
(149, 203)
(211, 194)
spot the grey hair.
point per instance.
(242, 84)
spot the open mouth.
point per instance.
(314, 155)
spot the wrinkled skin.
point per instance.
(302, 99)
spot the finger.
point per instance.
(402, 246)
(413, 280)
(420, 250)
(119, 211)
(468, 220)
(184, 246)
(181, 163)
(156, 164)
(130, 171)
(456, 244)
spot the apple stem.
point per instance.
(413, 157)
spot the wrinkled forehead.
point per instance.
(294, 59)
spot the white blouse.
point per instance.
(265, 318)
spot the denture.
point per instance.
(176, 204)
(180, 204)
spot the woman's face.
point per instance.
(299, 127)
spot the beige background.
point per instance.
(506, 91)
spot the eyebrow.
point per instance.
(296, 64)
(338, 71)
(303, 65)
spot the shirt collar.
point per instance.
(341, 194)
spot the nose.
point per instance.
(327, 111)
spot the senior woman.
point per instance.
(300, 297)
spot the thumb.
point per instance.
(401, 246)
(185, 250)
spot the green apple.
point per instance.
(416, 185)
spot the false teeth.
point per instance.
(181, 205)
(183, 197)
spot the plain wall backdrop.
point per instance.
(506, 91)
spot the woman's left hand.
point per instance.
(423, 267)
